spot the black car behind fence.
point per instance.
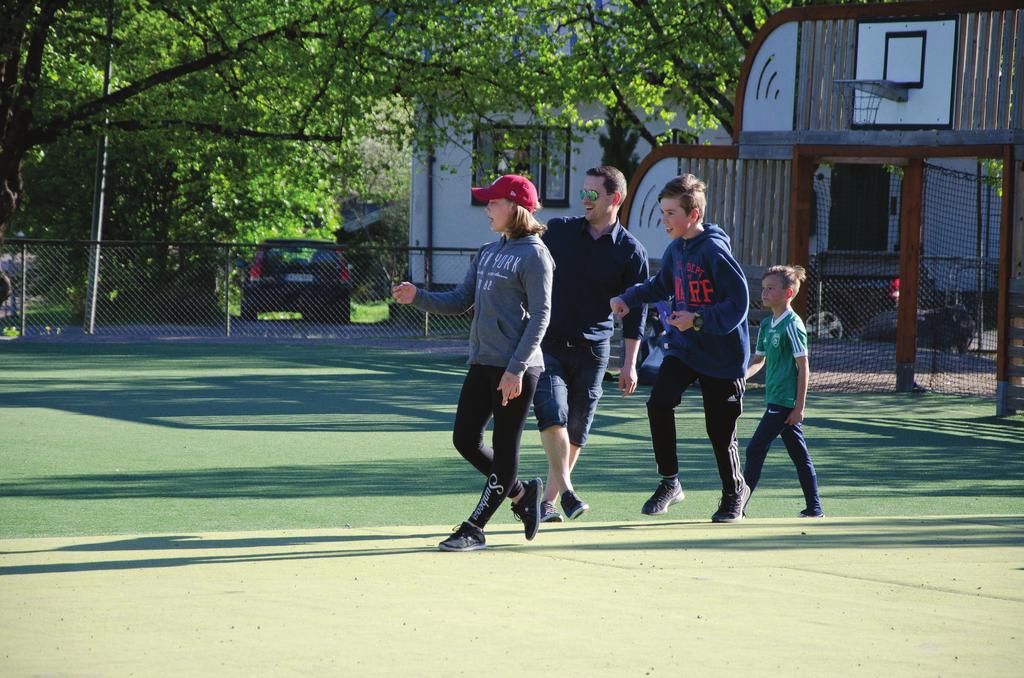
(308, 277)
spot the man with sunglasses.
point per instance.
(594, 255)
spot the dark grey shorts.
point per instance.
(570, 386)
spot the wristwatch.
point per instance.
(698, 322)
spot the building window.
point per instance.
(542, 155)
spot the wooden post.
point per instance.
(800, 196)
(910, 267)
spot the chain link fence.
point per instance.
(853, 284)
(281, 289)
(308, 289)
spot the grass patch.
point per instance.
(371, 312)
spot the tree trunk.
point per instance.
(10, 196)
(12, 189)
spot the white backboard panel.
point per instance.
(921, 55)
(645, 211)
(768, 103)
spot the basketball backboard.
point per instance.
(919, 57)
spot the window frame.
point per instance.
(544, 138)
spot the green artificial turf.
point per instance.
(127, 438)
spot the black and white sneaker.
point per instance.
(548, 513)
(527, 509)
(467, 537)
(730, 509)
(811, 513)
(663, 497)
(572, 505)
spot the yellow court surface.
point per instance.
(921, 596)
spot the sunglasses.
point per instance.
(588, 195)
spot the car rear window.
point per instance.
(281, 258)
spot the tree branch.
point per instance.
(20, 111)
(211, 128)
(741, 37)
(52, 129)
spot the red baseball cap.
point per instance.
(519, 190)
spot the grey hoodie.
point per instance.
(509, 286)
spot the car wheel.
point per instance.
(825, 325)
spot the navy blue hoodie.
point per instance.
(700, 274)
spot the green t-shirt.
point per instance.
(781, 340)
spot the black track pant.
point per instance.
(479, 401)
(723, 404)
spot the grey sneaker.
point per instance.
(548, 513)
(467, 537)
(664, 496)
(527, 509)
(573, 506)
(730, 510)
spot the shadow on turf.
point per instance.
(932, 468)
(276, 389)
(896, 533)
(187, 542)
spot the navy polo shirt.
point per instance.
(588, 273)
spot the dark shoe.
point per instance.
(730, 510)
(467, 537)
(572, 505)
(548, 513)
(811, 513)
(663, 497)
(527, 509)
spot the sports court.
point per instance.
(260, 509)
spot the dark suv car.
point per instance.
(310, 277)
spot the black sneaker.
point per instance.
(548, 513)
(730, 510)
(811, 513)
(527, 509)
(467, 537)
(572, 505)
(663, 497)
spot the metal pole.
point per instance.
(428, 263)
(99, 186)
(24, 279)
(227, 291)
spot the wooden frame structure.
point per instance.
(764, 179)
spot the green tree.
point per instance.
(241, 111)
(309, 71)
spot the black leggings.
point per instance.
(479, 401)
(723, 404)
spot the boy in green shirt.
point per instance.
(782, 343)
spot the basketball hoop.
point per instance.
(863, 97)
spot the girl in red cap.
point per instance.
(508, 285)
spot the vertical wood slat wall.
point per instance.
(750, 200)
(1016, 115)
(988, 84)
(826, 54)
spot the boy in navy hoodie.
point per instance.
(707, 341)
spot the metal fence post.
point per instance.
(428, 265)
(227, 291)
(24, 279)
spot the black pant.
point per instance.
(723, 404)
(480, 400)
